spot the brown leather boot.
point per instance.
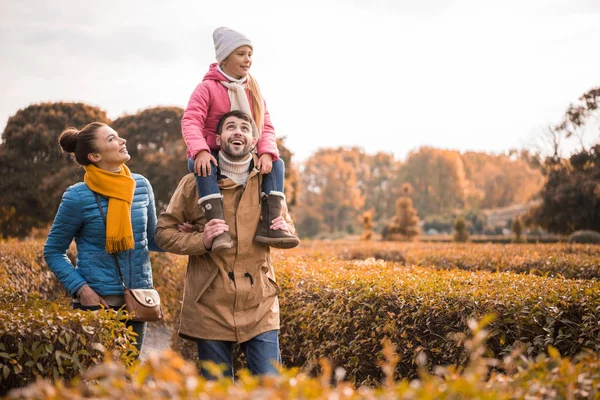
(213, 209)
(271, 209)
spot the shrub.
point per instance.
(42, 338)
(166, 375)
(342, 310)
(585, 236)
(572, 261)
(461, 234)
(23, 269)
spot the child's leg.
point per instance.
(207, 185)
(210, 200)
(272, 201)
(274, 180)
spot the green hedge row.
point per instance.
(42, 338)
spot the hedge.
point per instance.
(22, 268)
(42, 338)
(343, 309)
(167, 376)
(573, 261)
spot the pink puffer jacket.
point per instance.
(208, 103)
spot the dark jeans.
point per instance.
(207, 185)
(262, 354)
(137, 326)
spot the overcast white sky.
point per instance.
(384, 75)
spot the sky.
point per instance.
(384, 75)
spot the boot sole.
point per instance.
(278, 243)
(223, 246)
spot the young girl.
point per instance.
(228, 86)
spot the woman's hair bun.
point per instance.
(68, 140)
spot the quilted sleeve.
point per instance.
(67, 222)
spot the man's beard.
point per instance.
(236, 154)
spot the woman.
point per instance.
(127, 201)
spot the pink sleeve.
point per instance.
(268, 141)
(194, 117)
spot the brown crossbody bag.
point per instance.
(141, 304)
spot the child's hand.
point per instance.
(265, 163)
(280, 223)
(202, 166)
(212, 229)
(187, 228)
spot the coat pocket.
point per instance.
(271, 286)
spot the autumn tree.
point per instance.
(438, 179)
(517, 229)
(461, 234)
(157, 149)
(380, 187)
(580, 114)
(367, 225)
(292, 179)
(330, 196)
(500, 180)
(35, 173)
(571, 195)
(405, 222)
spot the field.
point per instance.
(343, 300)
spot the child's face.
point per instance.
(236, 138)
(238, 63)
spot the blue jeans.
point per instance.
(207, 185)
(262, 354)
(137, 326)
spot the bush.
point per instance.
(166, 375)
(461, 234)
(585, 237)
(42, 338)
(572, 261)
(23, 269)
(343, 309)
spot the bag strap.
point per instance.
(112, 254)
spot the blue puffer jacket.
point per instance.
(78, 217)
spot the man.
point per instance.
(230, 296)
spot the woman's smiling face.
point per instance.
(111, 150)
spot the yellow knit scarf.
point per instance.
(119, 188)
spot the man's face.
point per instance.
(236, 139)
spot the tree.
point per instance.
(579, 114)
(330, 196)
(517, 228)
(500, 180)
(292, 180)
(367, 223)
(438, 179)
(571, 195)
(157, 149)
(35, 173)
(461, 234)
(405, 222)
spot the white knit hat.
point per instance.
(226, 41)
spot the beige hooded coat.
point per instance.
(230, 295)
